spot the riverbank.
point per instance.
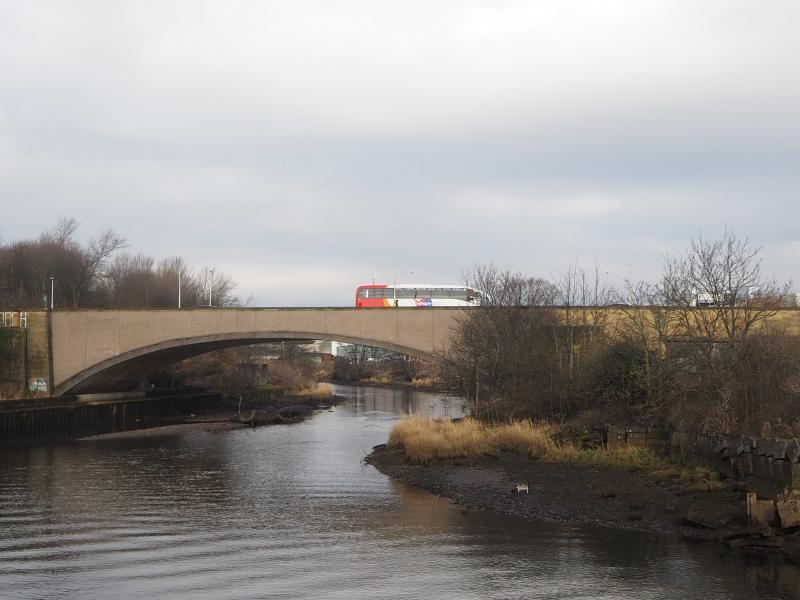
(620, 497)
(282, 411)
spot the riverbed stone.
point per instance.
(707, 519)
(759, 512)
(789, 509)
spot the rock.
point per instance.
(788, 507)
(607, 495)
(759, 512)
(697, 517)
(793, 451)
(779, 448)
(756, 543)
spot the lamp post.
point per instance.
(52, 288)
(179, 289)
(210, 284)
(394, 285)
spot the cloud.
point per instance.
(333, 141)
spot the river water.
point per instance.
(292, 512)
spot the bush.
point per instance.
(288, 376)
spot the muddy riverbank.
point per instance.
(282, 411)
(627, 498)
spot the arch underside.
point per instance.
(125, 371)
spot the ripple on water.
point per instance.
(291, 512)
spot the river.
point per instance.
(291, 511)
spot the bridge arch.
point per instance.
(124, 371)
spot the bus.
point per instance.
(416, 295)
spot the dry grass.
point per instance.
(524, 437)
(423, 382)
(378, 380)
(321, 390)
(423, 439)
(616, 457)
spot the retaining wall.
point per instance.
(758, 460)
(64, 418)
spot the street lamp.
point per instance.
(210, 284)
(394, 285)
(179, 289)
(52, 288)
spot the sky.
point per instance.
(305, 147)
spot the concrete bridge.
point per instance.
(87, 351)
(112, 350)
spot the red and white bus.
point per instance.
(415, 295)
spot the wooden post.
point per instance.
(751, 505)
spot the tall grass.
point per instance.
(321, 390)
(615, 457)
(423, 439)
(524, 437)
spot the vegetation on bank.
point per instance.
(318, 391)
(424, 439)
(696, 349)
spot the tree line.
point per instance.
(99, 274)
(693, 349)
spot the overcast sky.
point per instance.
(304, 146)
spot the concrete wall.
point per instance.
(52, 419)
(25, 355)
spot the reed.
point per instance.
(525, 437)
(321, 390)
(615, 457)
(423, 439)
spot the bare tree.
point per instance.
(723, 278)
(499, 352)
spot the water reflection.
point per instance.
(291, 512)
(401, 402)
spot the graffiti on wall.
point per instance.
(13, 319)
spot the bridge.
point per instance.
(112, 350)
(87, 351)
